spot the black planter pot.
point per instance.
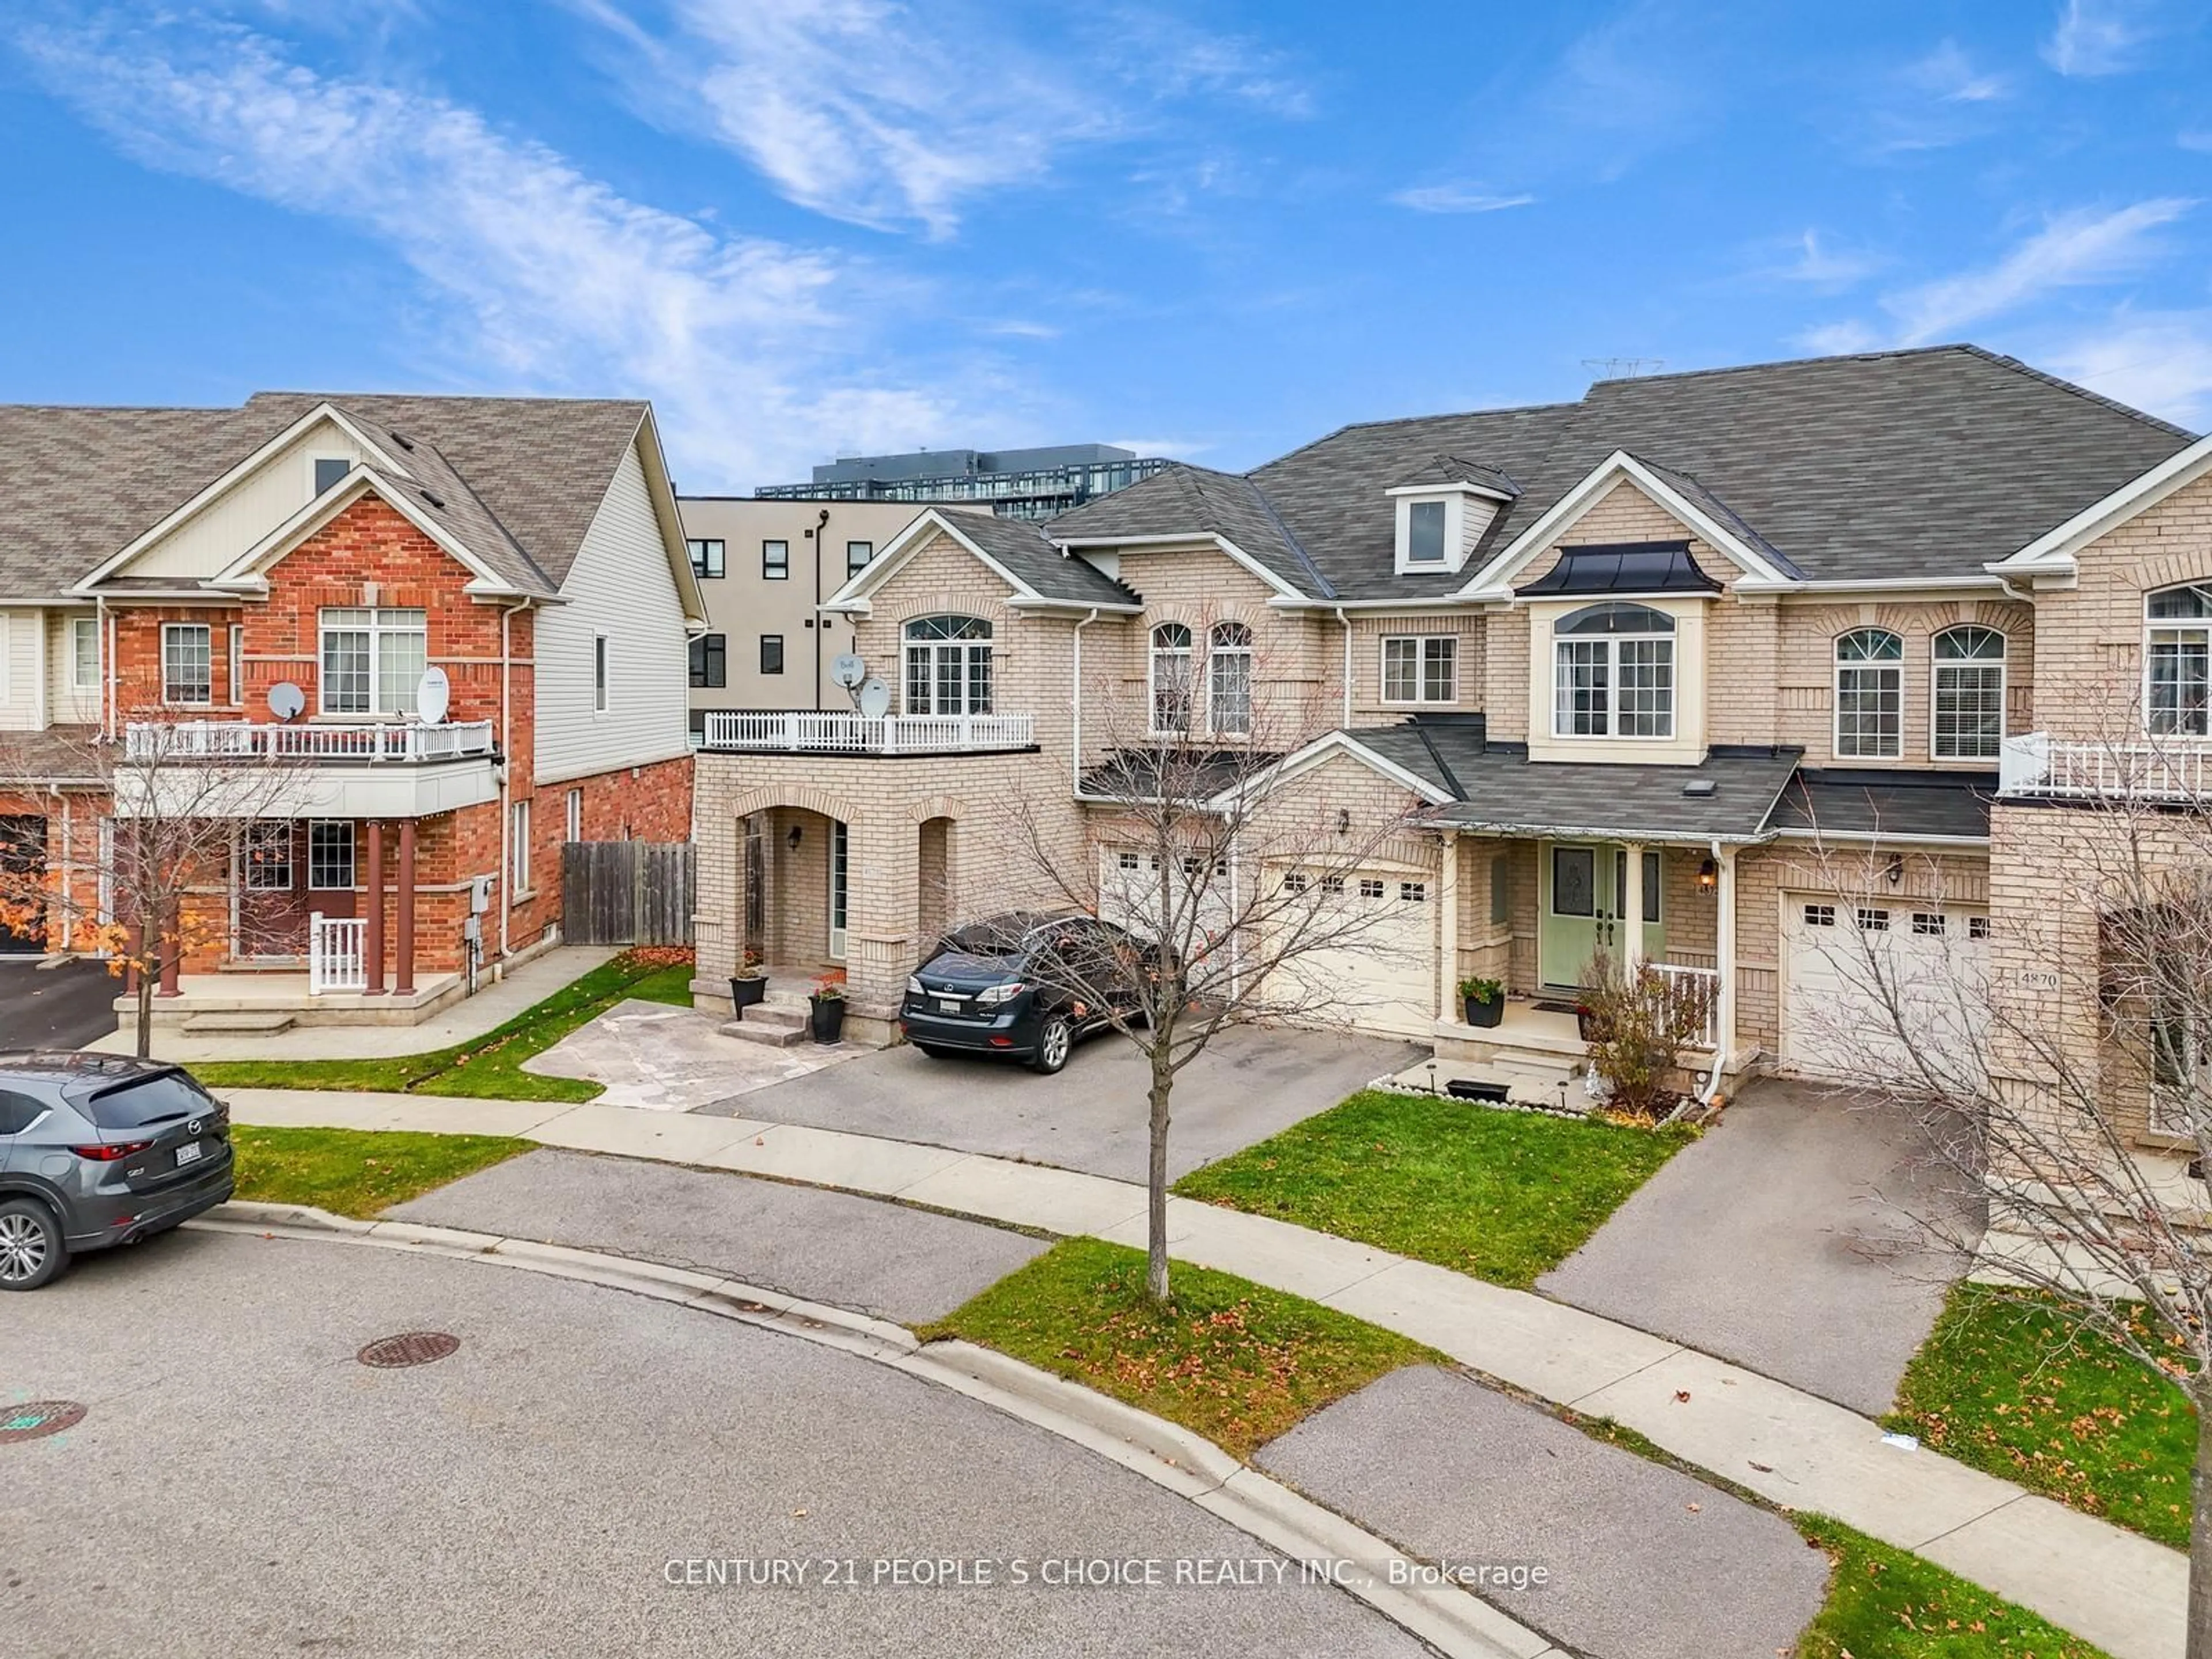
(827, 1019)
(1479, 1013)
(745, 992)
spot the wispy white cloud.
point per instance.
(1810, 259)
(2099, 37)
(1839, 339)
(2160, 361)
(1948, 74)
(1455, 198)
(2196, 138)
(2073, 250)
(1022, 329)
(1173, 57)
(538, 276)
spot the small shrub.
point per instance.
(1637, 1027)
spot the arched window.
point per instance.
(1613, 672)
(1871, 694)
(2177, 661)
(948, 665)
(1228, 679)
(1170, 678)
(1969, 693)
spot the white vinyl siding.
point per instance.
(227, 527)
(19, 667)
(620, 588)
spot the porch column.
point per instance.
(373, 928)
(1448, 922)
(1724, 956)
(1631, 910)
(402, 978)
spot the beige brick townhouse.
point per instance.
(283, 587)
(1639, 671)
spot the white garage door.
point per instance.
(1845, 959)
(1386, 979)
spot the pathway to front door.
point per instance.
(1585, 885)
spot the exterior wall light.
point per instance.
(1709, 876)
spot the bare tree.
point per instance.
(180, 794)
(1231, 885)
(2073, 1086)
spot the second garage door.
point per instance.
(1384, 980)
(1838, 956)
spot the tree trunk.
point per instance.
(2200, 1529)
(146, 975)
(1155, 1179)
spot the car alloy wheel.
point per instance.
(26, 1249)
(1052, 1044)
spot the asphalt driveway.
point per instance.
(1249, 1084)
(63, 1007)
(1791, 1239)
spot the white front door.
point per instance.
(1847, 960)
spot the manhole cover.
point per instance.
(414, 1348)
(36, 1418)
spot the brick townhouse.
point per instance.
(254, 602)
(1705, 671)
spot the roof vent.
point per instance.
(403, 442)
(1699, 788)
(434, 500)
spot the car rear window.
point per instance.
(152, 1100)
(999, 940)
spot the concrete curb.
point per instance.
(1454, 1621)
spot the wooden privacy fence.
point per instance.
(626, 892)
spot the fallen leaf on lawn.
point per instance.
(1764, 1468)
(1694, 1509)
(799, 1515)
(1681, 1396)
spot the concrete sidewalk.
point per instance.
(2116, 1589)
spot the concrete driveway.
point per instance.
(65, 1007)
(1249, 1084)
(1791, 1239)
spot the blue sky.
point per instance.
(1215, 230)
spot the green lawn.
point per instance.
(490, 1068)
(1502, 1195)
(356, 1172)
(2008, 1381)
(1887, 1603)
(1237, 1361)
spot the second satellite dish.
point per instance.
(875, 699)
(286, 700)
(433, 695)
(847, 671)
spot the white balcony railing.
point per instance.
(196, 740)
(1698, 991)
(337, 957)
(2173, 769)
(815, 733)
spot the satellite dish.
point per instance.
(849, 671)
(286, 700)
(875, 699)
(434, 694)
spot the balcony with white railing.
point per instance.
(2035, 766)
(820, 732)
(188, 742)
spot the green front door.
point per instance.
(1584, 884)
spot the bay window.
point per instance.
(2177, 661)
(1613, 672)
(373, 659)
(948, 665)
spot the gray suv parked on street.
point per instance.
(97, 1150)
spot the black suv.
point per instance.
(97, 1150)
(1025, 984)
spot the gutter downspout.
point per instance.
(1723, 954)
(1075, 747)
(821, 540)
(506, 768)
(104, 625)
(1346, 623)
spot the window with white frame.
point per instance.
(1969, 693)
(1228, 679)
(187, 670)
(1420, 668)
(1170, 678)
(1870, 693)
(84, 654)
(948, 665)
(235, 667)
(330, 472)
(330, 855)
(519, 852)
(373, 659)
(1424, 533)
(1613, 672)
(575, 827)
(265, 850)
(2177, 661)
(598, 673)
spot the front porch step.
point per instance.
(237, 1022)
(778, 1025)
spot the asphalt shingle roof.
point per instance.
(1899, 806)
(1023, 549)
(1907, 464)
(519, 478)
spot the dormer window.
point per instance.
(1442, 510)
(1424, 533)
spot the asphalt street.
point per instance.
(63, 1007)
(1249, 1084)
(901, 1264)
(242, 1486)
